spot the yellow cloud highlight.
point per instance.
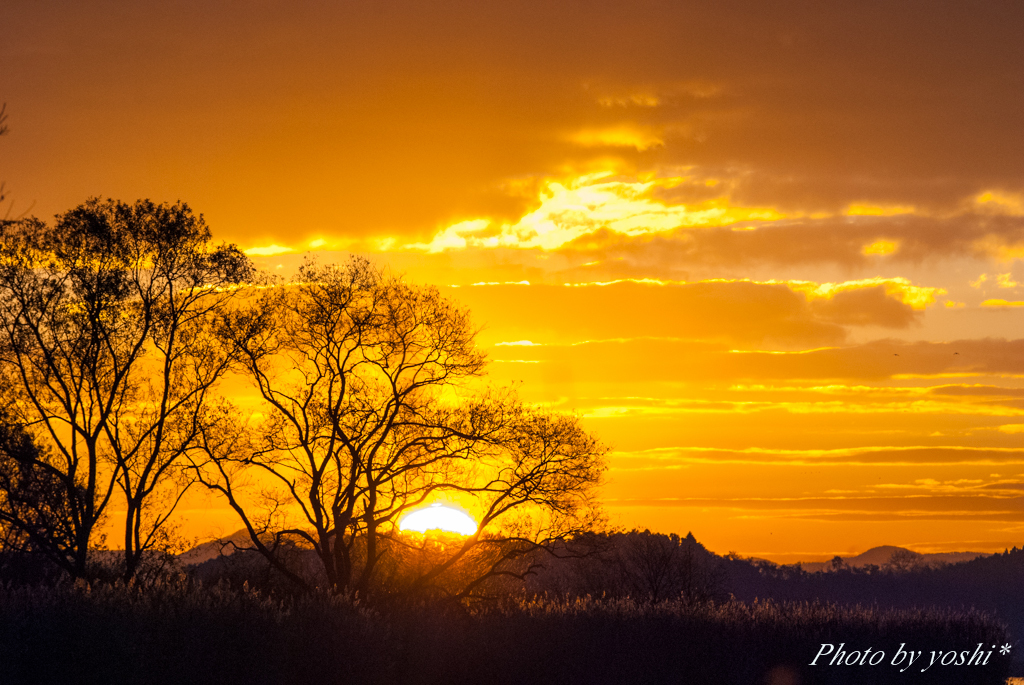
(694, 406)
(900, 289)
(459, 235)
(1012, 428)
(917, 297)
(781, 352)
(1000, 202)
(502, 283)
(870, 390)
(881, 247)
(953, 374)
(517, 343)
(644, 281)
(626, 135)
(571, 209)
(647, 96)
(998, 249)
(950, 304)
(268, 250)
(843, 456)
(959, 485)
(1006, 281)
(636, 100)
(864, 209)
(1001, 303)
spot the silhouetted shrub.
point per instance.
(639, 564)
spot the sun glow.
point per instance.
(439, 517)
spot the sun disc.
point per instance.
(439, 517)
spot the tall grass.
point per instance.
(180, 632)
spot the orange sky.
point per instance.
(770, 251)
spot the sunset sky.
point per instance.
(772, 252)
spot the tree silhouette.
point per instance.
(108, 358)
(903, 560)
(366, 413)
(35, 500)
(3, 130)
(646, 566)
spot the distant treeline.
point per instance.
(181, 632)
(992, 584)
(600, 608)
(649, 567)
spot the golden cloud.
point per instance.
(917, 297)
(573, 208)
(1000, 303)
(1000, 248)
(624, 135)
(682, 360)
(268, 250)
(791, 313)
(872, 455)
(864, 209)
(881, 247)
(1000, 202)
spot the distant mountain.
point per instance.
(215, 548)
(880, 556)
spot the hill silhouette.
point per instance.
(881, 555)
(213, 549)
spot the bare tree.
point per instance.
(3, 130)
(366, 413)
(903, 560)
(108, 353)
(650, 564)
(36, 515)
(655, 567)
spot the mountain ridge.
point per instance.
(882, 555)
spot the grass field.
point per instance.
(182, 632)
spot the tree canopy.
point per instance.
(107, 360)
(371, 406)
(366, 399)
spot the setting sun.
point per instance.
(439, 517)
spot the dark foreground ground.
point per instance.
(186, 633)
